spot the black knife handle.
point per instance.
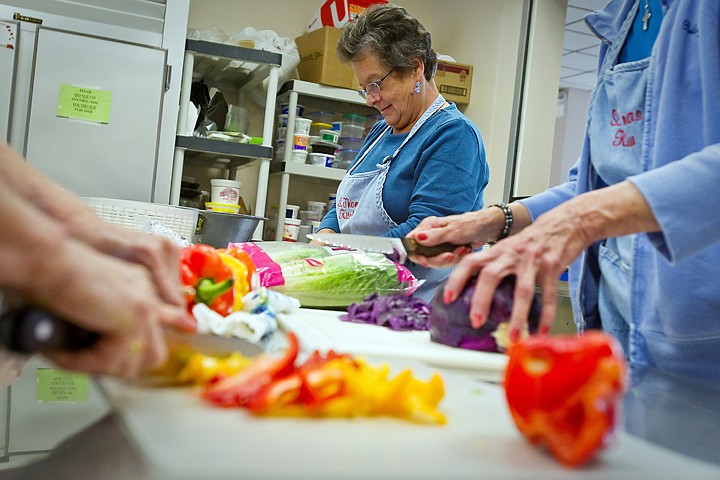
(33, 330)
(412, 247)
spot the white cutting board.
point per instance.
(184, 438)
(323, 330)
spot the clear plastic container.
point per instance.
(322, 117)
(345, 158)
(351, 142)
(352, 131)
(354, 119)
(317, 208)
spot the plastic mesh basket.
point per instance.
(137, 215)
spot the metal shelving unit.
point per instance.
(322, 97)
(227, 68)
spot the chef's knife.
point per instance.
(397, 249)
(34, 330)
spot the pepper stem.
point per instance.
(208, 290)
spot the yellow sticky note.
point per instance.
(61, 386)
(84, 103)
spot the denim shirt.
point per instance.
(675, 294)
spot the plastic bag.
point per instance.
(325, 276)
(272, 42)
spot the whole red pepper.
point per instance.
(206, 279)
(564, 392)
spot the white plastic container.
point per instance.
(298, 156)
(321, 159)
(302, 126)
(329, 135)
(303, 232)
(291, 211)
(301, 141)
(225, 191)
(291, 230)
(285, 108)
(316, 207)
(306, 216)
(315, 226)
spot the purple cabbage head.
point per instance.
(450, 323)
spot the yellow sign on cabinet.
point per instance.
(84, 103)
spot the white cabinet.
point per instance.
(315, 97)
(229, 69)
(99, 117)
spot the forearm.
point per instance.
(26, 182)
(610, 212)
(29, 239)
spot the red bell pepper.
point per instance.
(564, 392)
(244, 388)
(206, 279)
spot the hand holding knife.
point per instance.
(398, 249)
(34, 330)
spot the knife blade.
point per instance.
(31, 329)
(398, 249)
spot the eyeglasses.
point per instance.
(374, 87)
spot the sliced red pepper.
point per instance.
(564, 391)
(206, 278)
(243, 389)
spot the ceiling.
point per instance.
(580, 46)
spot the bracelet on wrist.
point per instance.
(508, 219)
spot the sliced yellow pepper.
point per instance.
(240, 275)
(200, 368)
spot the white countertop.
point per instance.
(177, 436)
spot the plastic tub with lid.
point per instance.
(352, 131)
(328, 148)
(321, 159)
(285, 108)
(354, 119)
(317, 127)
(345, 157)
(321, 117)
(351, 142)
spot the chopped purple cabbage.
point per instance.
(394, 311)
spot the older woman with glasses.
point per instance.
(424, 158)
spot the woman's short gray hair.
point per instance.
(390, 33)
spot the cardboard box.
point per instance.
(336, 13)
(319, 62)
(454, 81)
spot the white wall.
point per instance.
(569, 133)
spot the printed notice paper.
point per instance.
(84, 103)
(62, 386)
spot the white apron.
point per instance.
(359, 203)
